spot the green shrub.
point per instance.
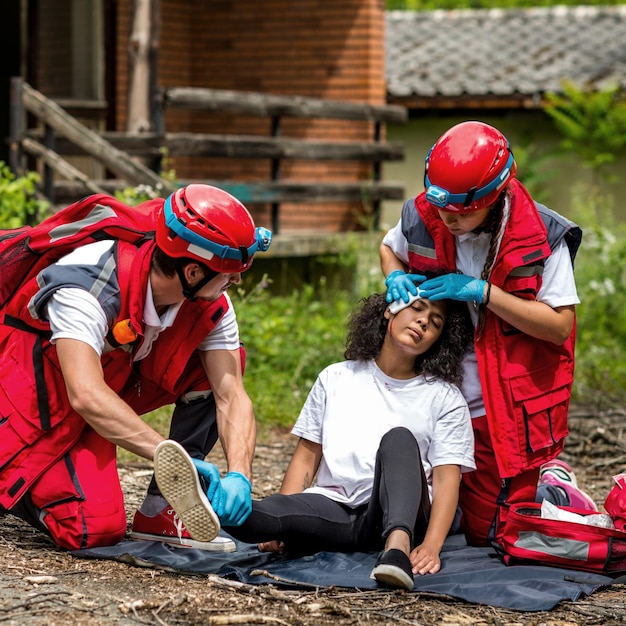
(601, 315)
(289, 340)
(18, 199)
(136, 195)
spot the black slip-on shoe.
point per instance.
(393, 569)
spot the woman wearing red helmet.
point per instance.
(511, 260)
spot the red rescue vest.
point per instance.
(526, 382)
(37, 424)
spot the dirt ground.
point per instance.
(43, 585)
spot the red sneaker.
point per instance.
(168, 528)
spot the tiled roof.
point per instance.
(503, 52)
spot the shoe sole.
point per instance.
(225, 545)
(178, 480)
(392, 576)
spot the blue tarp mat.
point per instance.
(475, 575)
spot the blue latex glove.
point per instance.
(237, 502)
(454, 287)
(212, 481)
(402, 285)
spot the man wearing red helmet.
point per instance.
(112, 331)
(511, 259)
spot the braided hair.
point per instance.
(495, 225)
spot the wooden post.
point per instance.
(16, 125)
(276, 130)
(48, 172)
(377, 175)
(139, 105)
(158, 125)
(158, 111)
(156, 114)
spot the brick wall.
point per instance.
(320, 48)
(53, 71)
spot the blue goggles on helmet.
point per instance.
(442, 198)
(262, 243)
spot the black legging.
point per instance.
(310, 522)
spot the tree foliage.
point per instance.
(592, 122)
(429, 5)
(601, 315)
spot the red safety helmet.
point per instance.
(468, 167)
(208, 224)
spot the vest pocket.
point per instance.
(541, 400)
(25, 377)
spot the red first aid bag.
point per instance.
(615, 503)
(27, 250)
(527, 537)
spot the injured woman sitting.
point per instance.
(383, 439)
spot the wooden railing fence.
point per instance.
(57, 135)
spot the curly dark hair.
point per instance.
(367, 328)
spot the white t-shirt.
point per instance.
(76, 314)
(558, 288)
(353, 404)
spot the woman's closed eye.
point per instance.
(436, 320)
